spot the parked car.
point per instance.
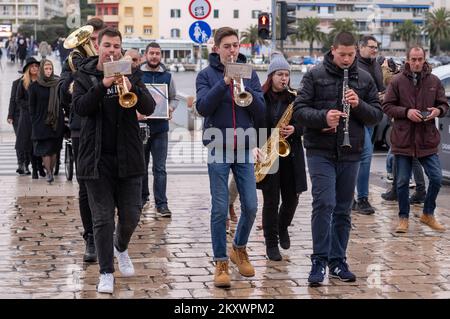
(295, 59)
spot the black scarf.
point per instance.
(53, 101)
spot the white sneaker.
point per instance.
(125, 264)
(106, 283)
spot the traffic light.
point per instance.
(264, 25)
(287, 19)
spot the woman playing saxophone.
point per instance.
(289, 180)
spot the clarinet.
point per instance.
(346, 110)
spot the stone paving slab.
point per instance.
(41, 250)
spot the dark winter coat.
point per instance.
(39, 97)
(409, 138)
(91, 100)
(296, 155)
(23, 137)
(321, 91)
(215, 103)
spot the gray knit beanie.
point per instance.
(278, 62)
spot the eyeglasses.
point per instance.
(373, 47)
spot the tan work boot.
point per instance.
(221, 275)
(239, 256)
(402, 226)
(429, 220)
(233, 215)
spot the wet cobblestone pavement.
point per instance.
(41, 250)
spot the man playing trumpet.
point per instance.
(333, 168)
(111, 159)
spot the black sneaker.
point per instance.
(317, 274)
(90, 254)
(390, 195)
(273, 253)
(363, 207)
(285, 241)
(417, 198)
(341, 272)
(164, 212)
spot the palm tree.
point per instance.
(308, 30)
(251, 36)
(437, 27)
(407, 31)
(343, 25)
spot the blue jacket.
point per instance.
(215, 104)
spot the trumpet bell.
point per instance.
(244, 99)
(128, 100)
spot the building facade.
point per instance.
(14, 12)
(379, 18)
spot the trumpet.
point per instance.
(80, 41)
(127, 99)
(240, 96)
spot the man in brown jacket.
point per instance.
(414, 99)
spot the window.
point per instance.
(175, 33)
(129, 29)
(175, 13)
(147, 29)
(114, 11)
(148, 12)
(128, 11)
(255, 14)
(216, 14)
(105, 11)
(236, 14)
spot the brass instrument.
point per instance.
(80, 41)
(346, 110)
(276, 145)
(127, 99)
(240, 96)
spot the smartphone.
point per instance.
(425, 114)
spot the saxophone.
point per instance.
(276, 145)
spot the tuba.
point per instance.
(346, 110)
(283, 149)
(80, 41)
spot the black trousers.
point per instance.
(85, 211)
(105, 194)
(276, 217)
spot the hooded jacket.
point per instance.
(409, 138)
(321, 91)
(105, 125)
(216, 105)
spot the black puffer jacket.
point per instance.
(90, 100)
(374, 69)
(321, 91)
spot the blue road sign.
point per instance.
(200, 32)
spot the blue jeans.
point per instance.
(157, 145)
(362, 184)
(246, 184)
(333, 185)
(390, 162)
(432, 168)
